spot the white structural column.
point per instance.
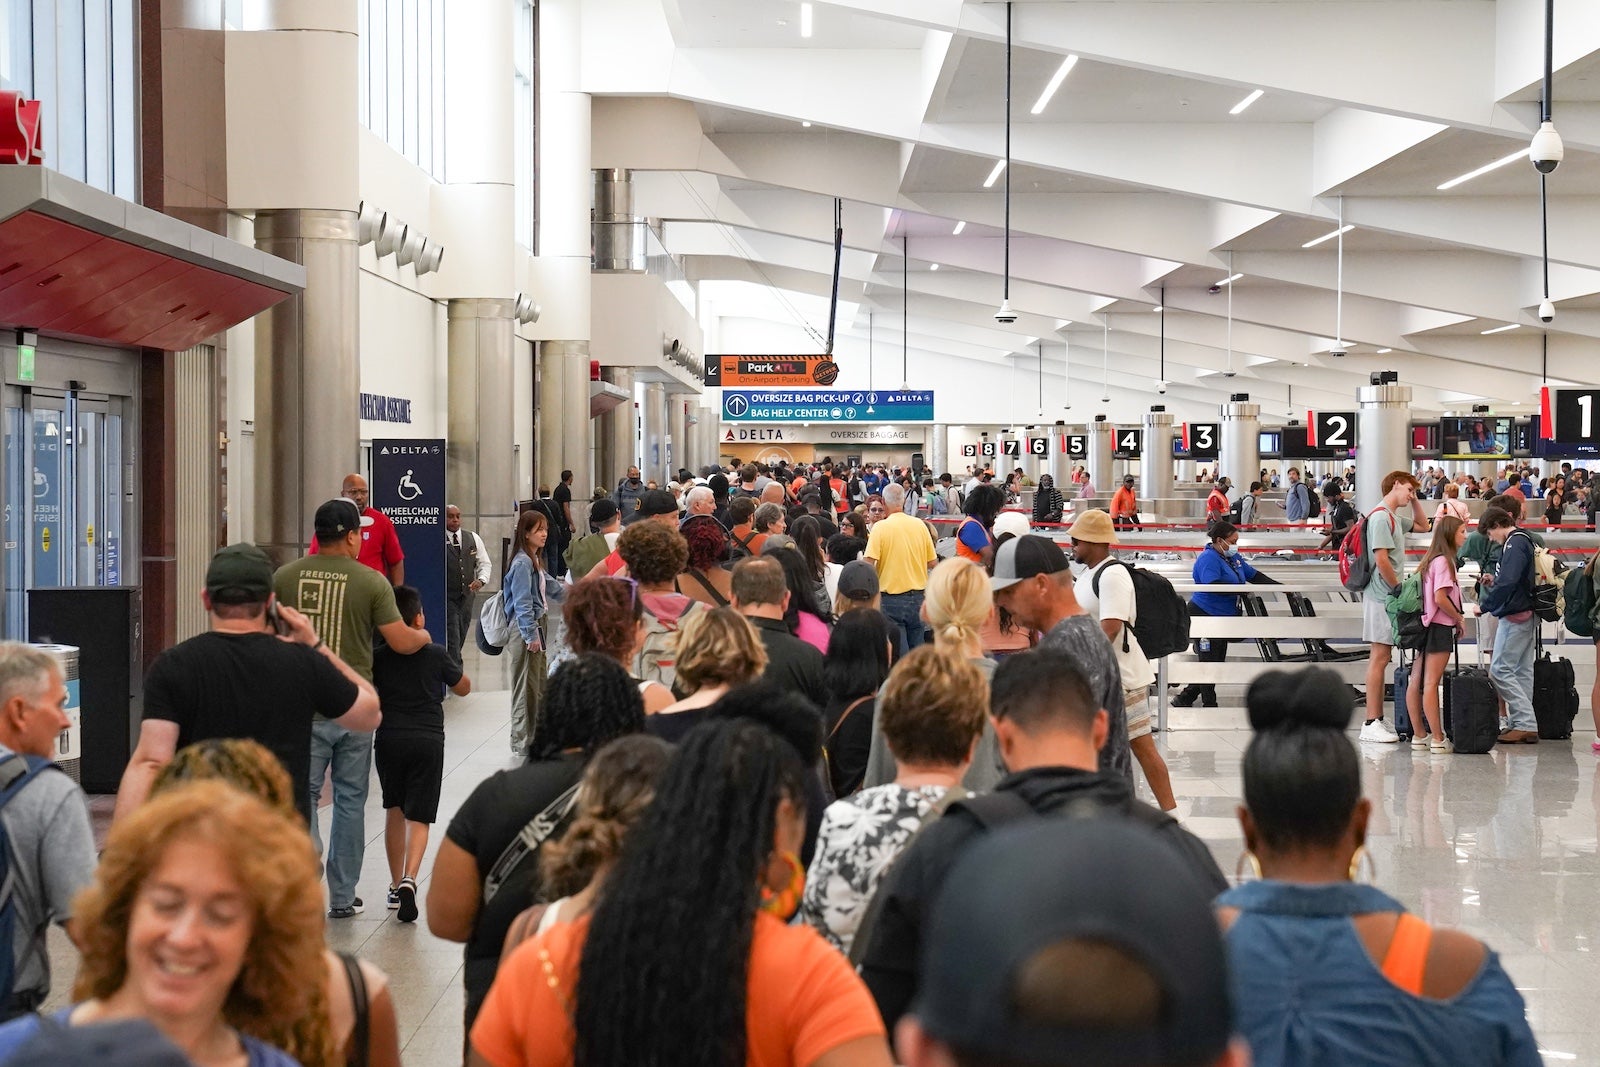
(549, 391)
(1384, 428)
(678, 433)
(655, 432)
(565, 191)
(1060, 462)
(1160, 427)
(1100, 445)
(1239, 454)
(618, 431)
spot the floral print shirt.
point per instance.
(859, 838)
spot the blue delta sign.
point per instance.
(826, 405)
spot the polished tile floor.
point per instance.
(1502, 846)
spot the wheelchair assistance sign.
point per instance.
(827, 405)
(408, 486)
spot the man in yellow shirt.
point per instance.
(901, 549)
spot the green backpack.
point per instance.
(1405, 612)
(1580, 598)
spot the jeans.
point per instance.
(458, 622)
(350, 753)
(1511, 670)
(905, 611)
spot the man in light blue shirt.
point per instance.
(1297, 504)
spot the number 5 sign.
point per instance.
(1331, 429)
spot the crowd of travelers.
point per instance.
(798, 778)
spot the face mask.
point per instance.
(1230, 550)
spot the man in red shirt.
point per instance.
(380, 545)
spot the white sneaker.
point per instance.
(1379, 732)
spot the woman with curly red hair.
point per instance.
(204, 918)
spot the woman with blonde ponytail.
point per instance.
(955, 606)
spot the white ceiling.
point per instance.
(1134, 181)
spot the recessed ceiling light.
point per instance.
(1246, 102)
(1501, 329)
(805, 20)
(994, 175)
(807, 125)
(934, 267)
(1055, 83)
(1315, 241)
(1485, 169)
(959, 227)
(783, 22)
(1230, 281)
(1384, 351)
(1156, 308)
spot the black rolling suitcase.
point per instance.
(1402, 695)
(1471, 708)
(1555, 696)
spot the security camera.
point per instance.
(1546, 150)
(1161, 387)
(1214, 290)
(1105, 399)
(1547, 311)
(1229, 373)
(1338, 350)
(1005, 316)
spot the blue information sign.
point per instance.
(827, 405)
(408, 486)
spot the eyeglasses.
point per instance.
(633, 587)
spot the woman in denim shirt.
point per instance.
(1326, 970)
(525, 604)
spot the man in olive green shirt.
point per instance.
(346, 602)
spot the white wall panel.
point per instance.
(402, 355)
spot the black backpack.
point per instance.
(1313, 502)
(1236, 512)
(1162, 623)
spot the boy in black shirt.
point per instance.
(409, 749)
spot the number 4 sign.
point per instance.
(1127, 444)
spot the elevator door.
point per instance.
(64, 494)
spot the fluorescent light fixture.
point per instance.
(1315, 241)
(959, 227)
(1505, 161)
(934, 267)
(805, 20)
(1247, 101)
(1055, 83)
(1230, 280)
(806, 124)
(1156, 308)
(1000, 166)
(1501, 329)
(1384, 351)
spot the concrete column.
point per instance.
(938, 453)
(618, 450)
(678, 434)
(1384, 426)
(1239, 454)
(308, 377)
(655, 433)
(550, 364)
(479, 467)
(566, 419)
(1099, 463)
(709, 438)
(1160, 427)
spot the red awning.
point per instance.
(76, 262)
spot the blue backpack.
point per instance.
(16, 771)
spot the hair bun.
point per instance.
(1313, 697)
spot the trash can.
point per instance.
(68, 752)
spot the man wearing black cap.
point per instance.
(591, 548)
(1066, 942)
(345, 602)
(656, 505)
(1050, 730)
(242, 680)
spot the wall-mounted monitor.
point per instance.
(1269, 444)
(1475, 437)
(1543, 449)
(1425, 439)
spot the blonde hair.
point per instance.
(618, 785)
(933, 706)
(719, 647)
(842, 603)
(958, 601)
(270, 856)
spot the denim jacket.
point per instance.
(1308, 995)
(524, 598)
(1512, 590)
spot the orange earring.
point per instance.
(783, 903)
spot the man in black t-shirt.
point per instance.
(240, 679)
(409, 749)
(1341, 516)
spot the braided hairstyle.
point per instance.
(666, 963)
(243, 763)
(587, 702)
(618, 785)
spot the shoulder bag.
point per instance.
(539, 830)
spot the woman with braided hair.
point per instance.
(688, 957)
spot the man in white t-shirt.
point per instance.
(1112, 603)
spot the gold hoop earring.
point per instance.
(1362, 855)
(1238, 868)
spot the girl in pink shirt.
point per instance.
(1441, 614)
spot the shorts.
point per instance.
(1376, 629)
(1441, 637)
(410, 768)
(1136, 703)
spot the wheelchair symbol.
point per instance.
(406, 484)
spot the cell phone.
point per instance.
(279, 627)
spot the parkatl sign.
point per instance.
(19, 129)
(771, 371)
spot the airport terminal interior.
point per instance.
(249, 247)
